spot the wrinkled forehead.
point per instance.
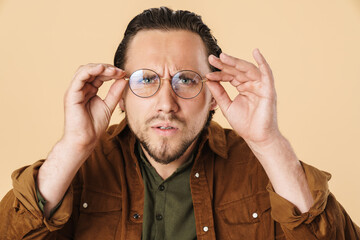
(167, 52)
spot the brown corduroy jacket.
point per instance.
(231, 194)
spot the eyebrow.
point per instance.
(174, 70)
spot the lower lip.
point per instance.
(165, 132)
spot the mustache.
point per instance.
(166, 118)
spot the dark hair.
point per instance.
(166, 19)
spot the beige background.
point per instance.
(312, 46)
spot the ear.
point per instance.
(122, 105)
(213, 103)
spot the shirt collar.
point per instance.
(215, 134)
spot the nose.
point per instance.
(166, 98)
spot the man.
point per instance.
(167, 171)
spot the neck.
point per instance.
(166, 170)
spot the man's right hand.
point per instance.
(87, 117)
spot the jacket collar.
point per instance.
(217, 139)
(215, 134)
(115, 130)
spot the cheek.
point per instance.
(137, 109)
(197, 108)
(131, 105)
(207, 92)
(123, 100)
(211, 103)
(203, 101)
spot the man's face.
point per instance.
(165, 124)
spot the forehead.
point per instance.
(171, 50)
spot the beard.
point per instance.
(164, 152)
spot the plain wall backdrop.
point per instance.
(312, 46)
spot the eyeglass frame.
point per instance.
(203, 79)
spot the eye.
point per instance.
(146, 80)
(186, 81)
(149, 80)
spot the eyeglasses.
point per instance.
(145, 83)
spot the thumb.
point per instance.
(115, 93)
(220, 95)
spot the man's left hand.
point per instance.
(252, 113)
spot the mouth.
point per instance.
(165, 129)
(164, 125)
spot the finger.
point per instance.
(216, 62)
(79, 96)
(223, 76)
(88, 88)
(238, 63)
(221, 97)
(109, 76)
(251, 72)
(262, 63)
(90, 72)
(85, 74)
(247, 87)
(93, 65)
(97, 83)
(219, 76)
(114, 95)
(99, 80)
(258, 89)
(92, 93)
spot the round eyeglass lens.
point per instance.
(187, 84)
(144, 83)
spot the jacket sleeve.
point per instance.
(326, 219)
(21, 217)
